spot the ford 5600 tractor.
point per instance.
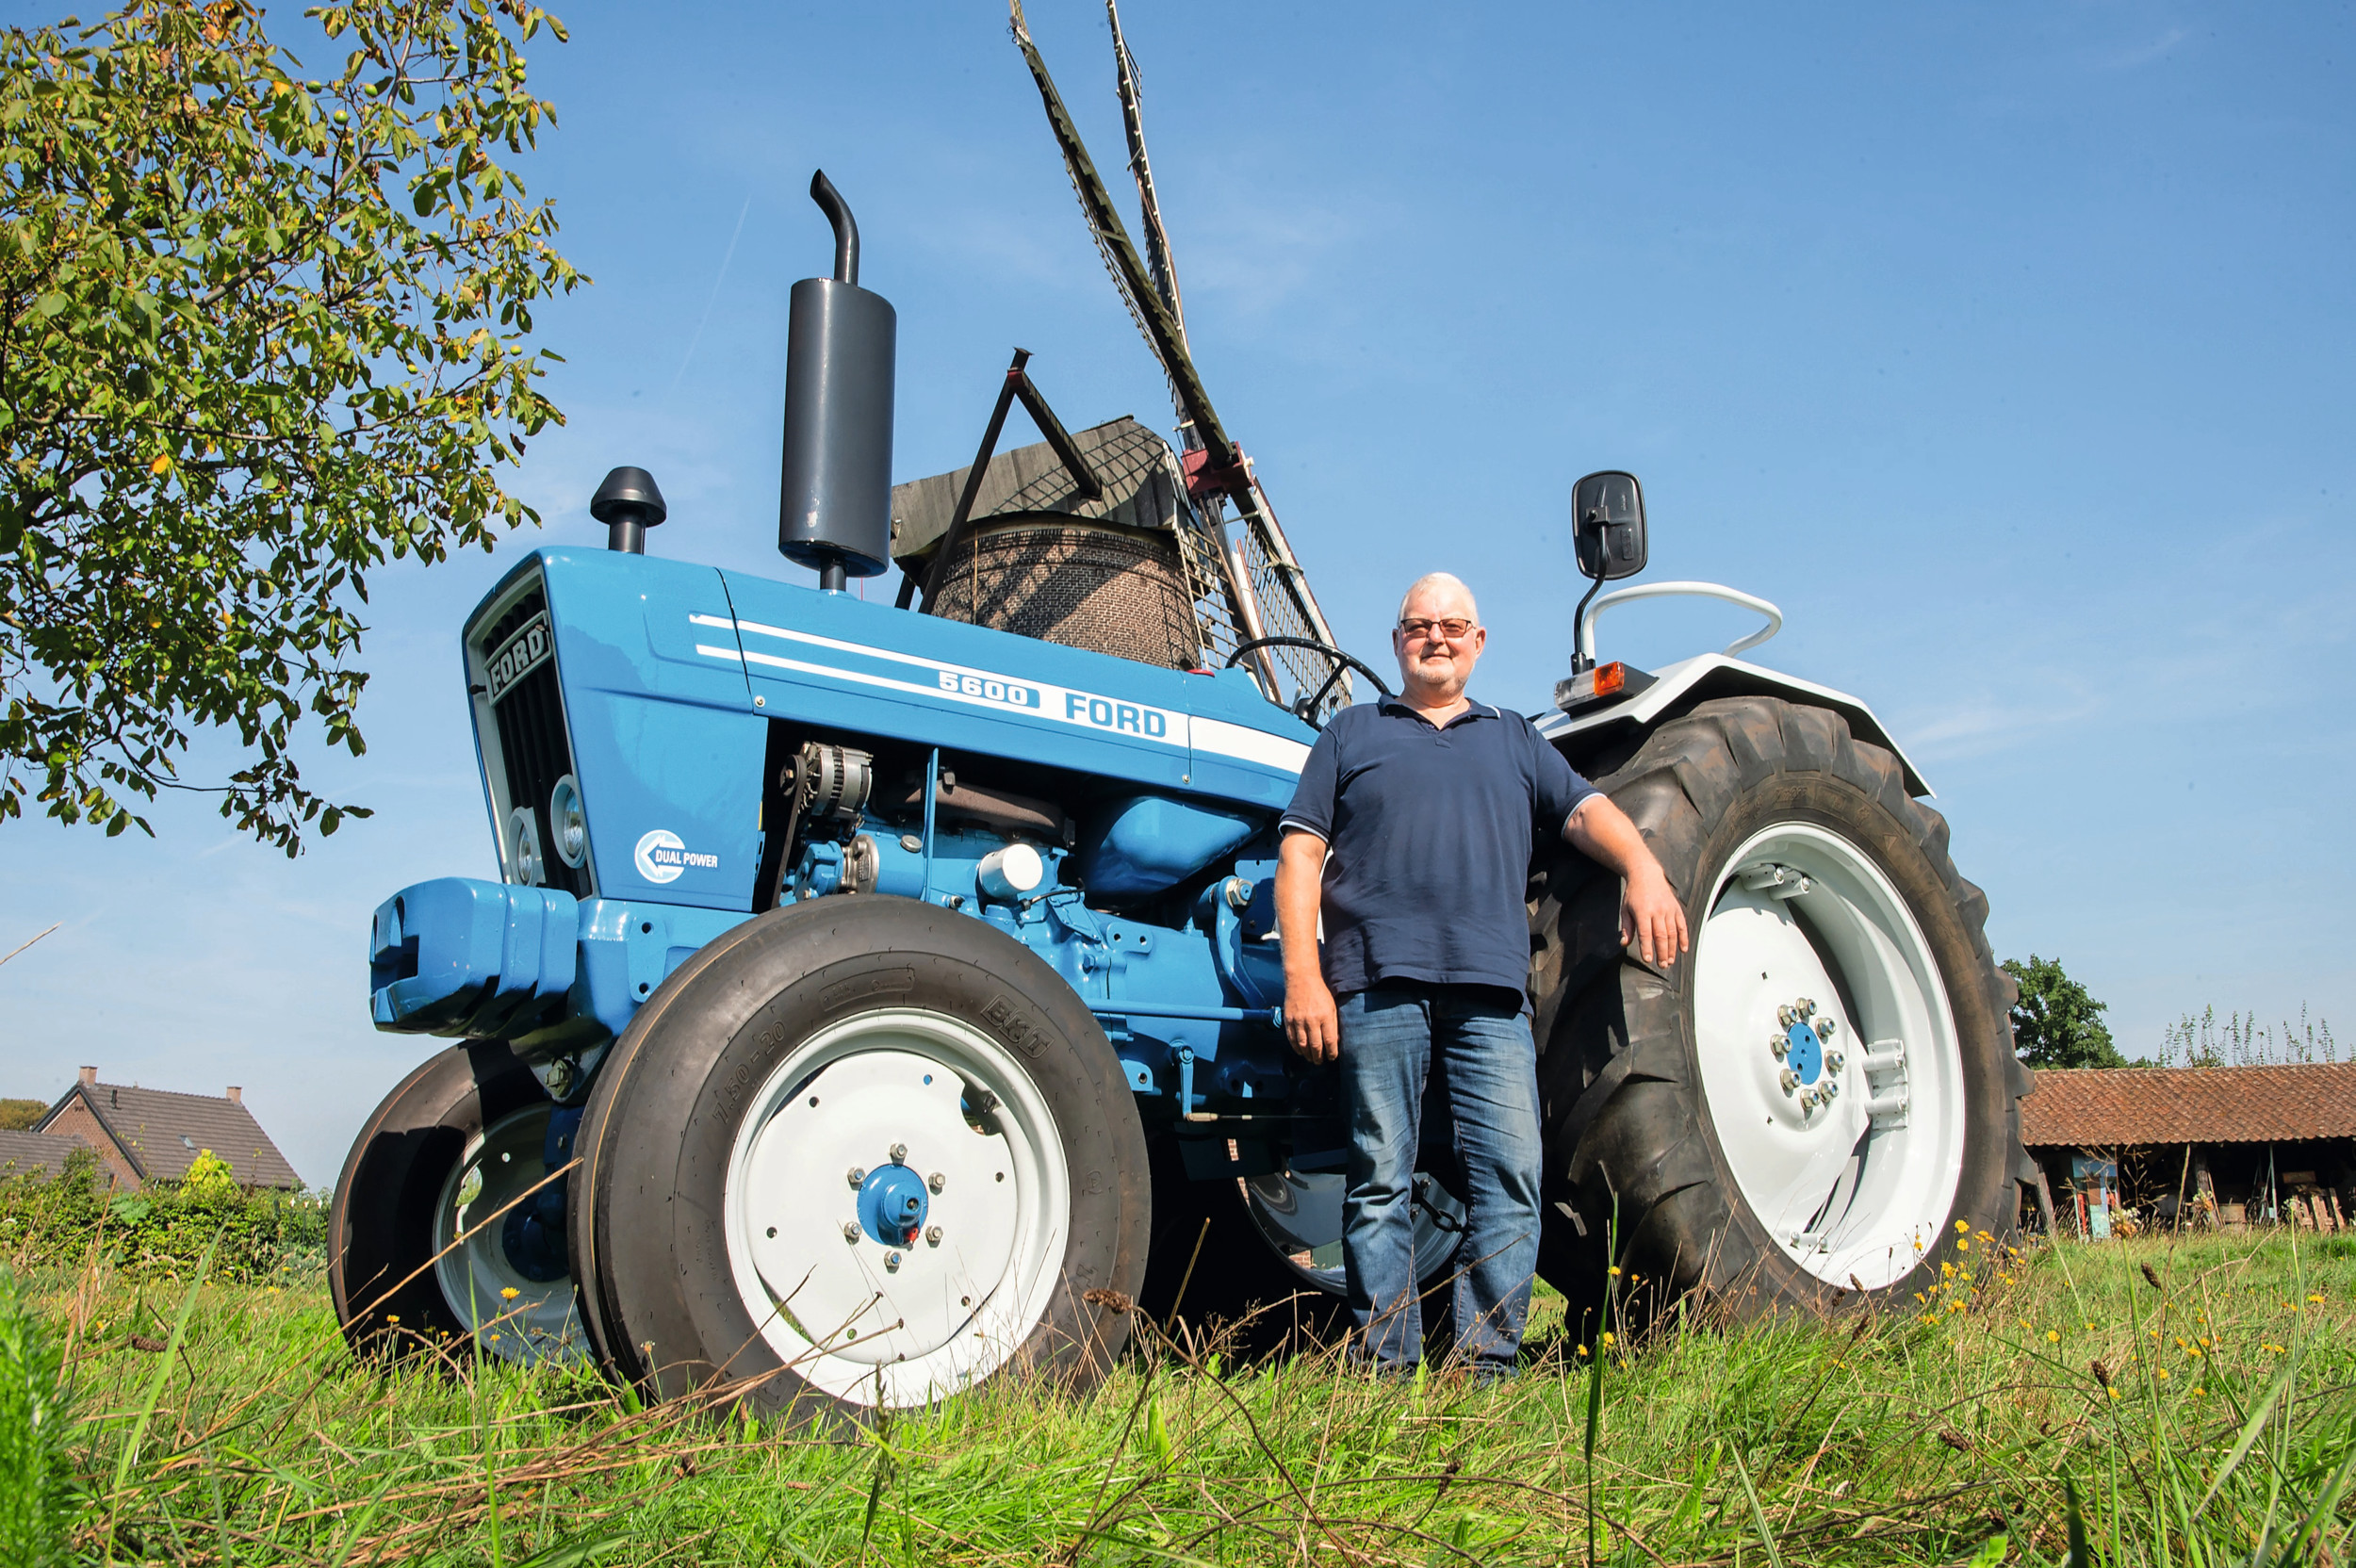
(876, 999)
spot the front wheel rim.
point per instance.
(896, 1209)
(1830, 1061)
(505, 1309)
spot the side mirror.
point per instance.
(1608, 524)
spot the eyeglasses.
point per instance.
(1451, 628)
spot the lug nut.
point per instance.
(1830, 1090)
(857, 1176)
(850, 1230)
(1834, 1061)
(1825, 1029)
(935, 1182)
(1783, 1017)
(1779, 1045)
(1790, 1080)
(899, 1152)
(891, 1262)
(932, 1236)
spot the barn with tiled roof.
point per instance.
(2259, 1142)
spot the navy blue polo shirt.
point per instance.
(1430, 831)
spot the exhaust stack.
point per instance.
(834, 509)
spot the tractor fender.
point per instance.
(1597, 739)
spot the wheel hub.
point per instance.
(891, 1205)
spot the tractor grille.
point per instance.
(528, 712)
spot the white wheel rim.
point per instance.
(1300, 1217)
(874, 1321)
(537, 1322)
(1853, 1190)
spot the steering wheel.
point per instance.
(1305, 707)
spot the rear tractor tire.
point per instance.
(1820, 1104)
(861, 1153)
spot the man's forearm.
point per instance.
(1602, 832)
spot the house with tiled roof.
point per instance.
(145, 1134)
(26, 1153)
(2247, 1144)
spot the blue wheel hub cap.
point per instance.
(891, 1205)
(1804, 1053)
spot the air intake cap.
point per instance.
(628, 504)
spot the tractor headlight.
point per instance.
(567, 824)
(523, 849)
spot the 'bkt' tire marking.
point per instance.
(1019, 1033)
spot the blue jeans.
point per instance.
(1394, 1039)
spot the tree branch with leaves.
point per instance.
(263, 332)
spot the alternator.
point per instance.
(835, 781)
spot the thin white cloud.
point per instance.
(2144, 54)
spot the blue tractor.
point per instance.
(876, 999)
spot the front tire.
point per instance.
(429, 1222)
(1820, 1102)
(1001, 1167)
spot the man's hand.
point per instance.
(1311, 1021)
(1651, 915)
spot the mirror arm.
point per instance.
(1583, 643)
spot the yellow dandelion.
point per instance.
(2193, 1350)
(2317, 1300)
(508, 1293)
(1963, 1245)
(2053, 1337)
(495, 1339)
(392, 1317)
(1616, 1270)
(2115, 1394)
(1605, 1340)
(1963, 1227)
(1582, 1349)
(2163, 1374)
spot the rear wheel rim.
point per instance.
(1805, 929)
(1300, 1215)
(509, 1312)
(949, 1136)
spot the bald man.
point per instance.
(1412, 833)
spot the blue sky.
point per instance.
(2008, 348)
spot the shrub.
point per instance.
(52, 1222)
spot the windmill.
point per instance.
(1254, 600)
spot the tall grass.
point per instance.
(2198, 1397)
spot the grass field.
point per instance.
(2198, 1397)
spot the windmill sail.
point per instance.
(1157, 257)
(1264, 589)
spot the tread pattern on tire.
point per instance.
(1626, 1152)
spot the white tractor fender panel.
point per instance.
(1677, 688)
